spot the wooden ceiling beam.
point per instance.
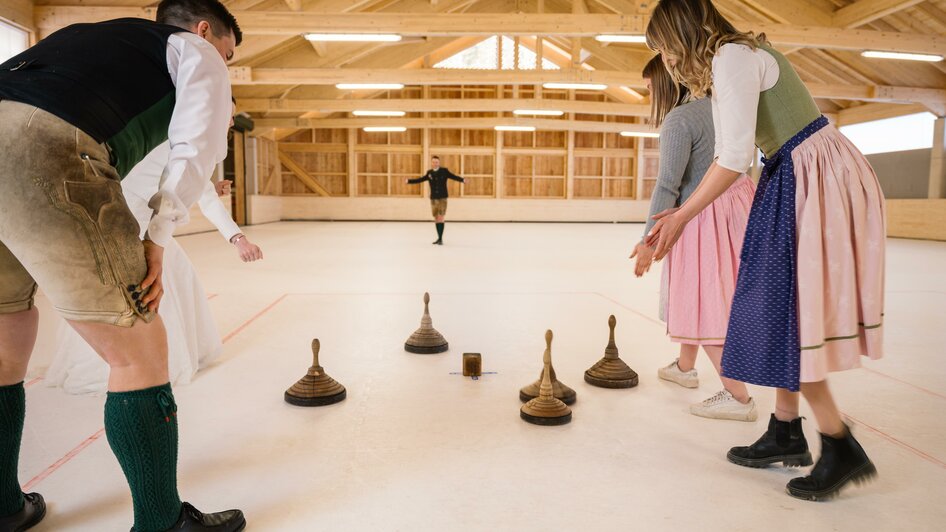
(50, 18)
(436, 105)
(792, 12)
(850, 39)
(866, 11)
(876, 111)
(19, 12)
(878, 93)
(433, 76)
(451, 123)
(331, 76)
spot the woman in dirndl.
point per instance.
(809, 295)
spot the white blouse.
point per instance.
(740, 74)
(142, 183)
(197, 132)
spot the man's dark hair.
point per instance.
(187, 13)
(435, 157)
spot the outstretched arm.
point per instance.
(419, 180)
(676, 144)
(738, 78)
(671, 222)
(214, 210)
(450, 175)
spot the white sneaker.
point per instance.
(724, 406)
(672, 373)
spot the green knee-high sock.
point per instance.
(141, 427)
(12, 412)
(439, 230)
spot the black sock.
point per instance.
(439, 230)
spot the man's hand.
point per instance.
(247, 250)
(222, 187)
(152, 289)
(645, 257)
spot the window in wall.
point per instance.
(12, 41)
(485, 55)
(911, 132)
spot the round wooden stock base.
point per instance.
(315, 401)
(546, 421)
(422, 350)
(610, 383)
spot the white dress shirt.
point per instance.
(740, 74)
(197, 133)
(143, 181)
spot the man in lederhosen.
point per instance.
(437, 177)
(77, 112)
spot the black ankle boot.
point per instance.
(783, 442)
(33, 511)
(193, 520)
(842, 460)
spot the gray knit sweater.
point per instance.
(687, 143)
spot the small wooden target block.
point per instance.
(472, 365)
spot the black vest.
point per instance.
(108, 79)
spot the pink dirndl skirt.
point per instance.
(701, 270)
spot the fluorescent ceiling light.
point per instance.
(874, 54)
(353, 37)
(538, 112)
(637, 39)
(377, 113)
(514, 128)
(363, 86)
(640, 134)
(578, 86)
(382, 129)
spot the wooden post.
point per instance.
(570, 165)
(515, 53)
(352, 162)
(239, 171)
(639, 169)
(499, 52)
(539, 55)
(498, 163)
(938, 160)
(425, 141)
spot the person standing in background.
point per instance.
(437, 177)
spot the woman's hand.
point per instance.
(645, 258)
(152, 289)
(222, 187)
(247, 250)
(666, 232)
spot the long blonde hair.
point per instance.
(691, 32)
(665, 93)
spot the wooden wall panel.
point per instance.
(923, 219)
(268, 168)
(535, 165)
(588, 188)
(619, 188)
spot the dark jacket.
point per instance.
(438, 182)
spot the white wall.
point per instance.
(265, 208)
